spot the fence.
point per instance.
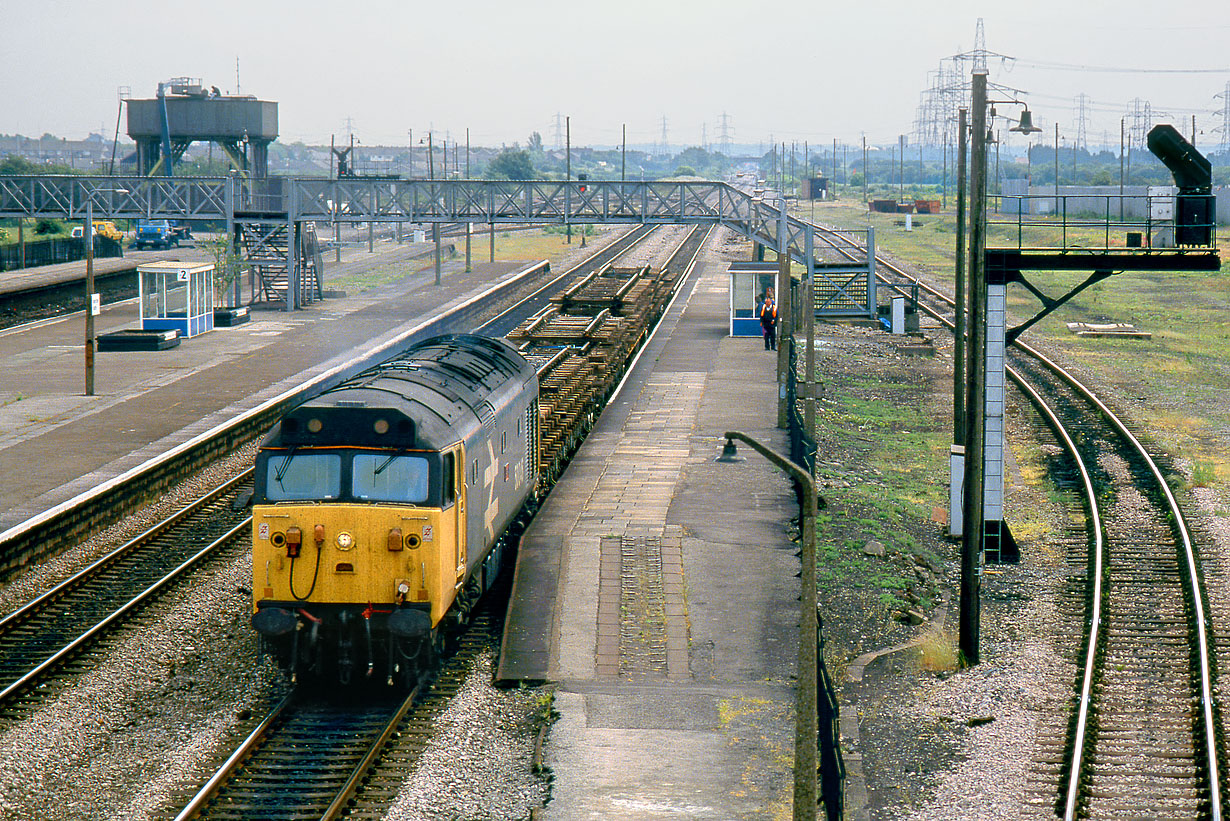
(803, 453)
(51, 251)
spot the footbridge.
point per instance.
(274, 216)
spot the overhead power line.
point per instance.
(1117, 69)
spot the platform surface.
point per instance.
(657, 588)
(56, 442)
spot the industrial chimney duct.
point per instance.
(1196, 207)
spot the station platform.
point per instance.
(353, 258)
(56, 442)
(658, 589)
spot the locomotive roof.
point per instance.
(434, 394)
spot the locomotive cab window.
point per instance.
(384, 477)
(449, 476)
(295, 476)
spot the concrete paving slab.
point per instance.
(671, 583)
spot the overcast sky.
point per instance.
(796, 70)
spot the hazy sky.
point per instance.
(797, 70)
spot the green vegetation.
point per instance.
(1174, 384)
(512, 164)
(228, 264)
(885, 427)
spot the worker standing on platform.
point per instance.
(768, 321)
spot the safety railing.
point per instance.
(1103, 223)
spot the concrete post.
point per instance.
(958, 354)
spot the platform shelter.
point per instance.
(177, 296)
(748, 283)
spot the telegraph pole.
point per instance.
(435, 226)
(568, 175)
(975, 439)
(469, 268)
(1121, 149)
(864, 168)
(623, 156)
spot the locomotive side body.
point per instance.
(379, 505)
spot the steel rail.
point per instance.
(619, 246)
(1207, 704)
(348, 789)
(120, 614)
(85, 574)
(1198, 618)
(130, 549)
(236, 758)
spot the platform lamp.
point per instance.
(806, 720)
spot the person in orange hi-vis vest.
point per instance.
(768, 321)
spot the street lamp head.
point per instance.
(1026, 125)
(730, 453)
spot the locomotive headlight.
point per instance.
(344, 541)
(381, 426)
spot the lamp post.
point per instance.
(431, 175)
(93, 302)
(87, 235)
(806, 722)
(468, 224)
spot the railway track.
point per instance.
(59, 626)
(315, 757)
(48, 632)
(58, 634)
(1144, 737)
(334, 757)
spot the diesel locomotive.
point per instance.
(379, 507)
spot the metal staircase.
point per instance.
(267, 254)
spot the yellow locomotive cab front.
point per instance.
(355, 544)
(352, 554)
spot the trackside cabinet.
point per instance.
(177, 296)
(748, 283)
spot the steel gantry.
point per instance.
(842, 262)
